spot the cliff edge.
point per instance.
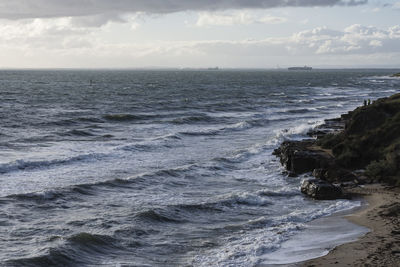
(360, 147)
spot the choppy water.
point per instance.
(160, 168)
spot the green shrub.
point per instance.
(329, 140)
(380, 170)
(348, 158)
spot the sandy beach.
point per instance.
(379, 247)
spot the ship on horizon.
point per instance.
(300, 68)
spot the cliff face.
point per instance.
(370, 140)
(367, 138)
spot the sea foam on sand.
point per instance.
(319, 237)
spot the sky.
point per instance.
(199, 33)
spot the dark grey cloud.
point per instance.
(19, 9)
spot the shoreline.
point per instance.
(380, 246)
(317, 239)
(356, 155)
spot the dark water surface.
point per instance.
(160, 168)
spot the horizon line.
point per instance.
(327, 67)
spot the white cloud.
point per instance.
(64, 33)
(235, 18)
(17, 9)
(355, 39)
(375, 43)
(38, 41)
(56, 33)
(38, 28)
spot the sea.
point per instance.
(162, 167)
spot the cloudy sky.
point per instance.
(199, 33)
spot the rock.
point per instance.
(392, 210)
(329, 126)
(319, 173)
(298, 157)
(321, 190)
(334, 174)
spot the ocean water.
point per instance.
(161, 168)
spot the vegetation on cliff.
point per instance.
(370, 140)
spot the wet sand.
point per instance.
(316, 239)
(379, 247)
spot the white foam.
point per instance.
(296, 132)
(244, 249)
(318, 238)
(243, 125)
(23, 164)
(284, 192)
(272, 244)
(251, 199)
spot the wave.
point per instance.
(200, 207)
(278, 94)
(63, 122)
(267, 234)
(32, 165)
(78, 249)
(243, 125)
(154, 143)
(167, 137)
(201, 133)
(157, 215)
(279, 193)
(385, 77)
(139, 147)
(91, 119)
(239, 126)
(311, 212)
(87, 239)
(49, 195)
(230, 162)
(128, 117)
(199, 118)
(298, 111)
(298, 132)
(73, 192)
(77, 132)
(54, 257)
(214, 131)
(248, 199)
(181, 213)
(301, 110)
(72, 122)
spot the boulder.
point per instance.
(298, 157)
(321, 190)
(334, 174)
(319, 173)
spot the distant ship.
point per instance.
(300, 68)
(215, 68)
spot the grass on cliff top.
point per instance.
(371, 140)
